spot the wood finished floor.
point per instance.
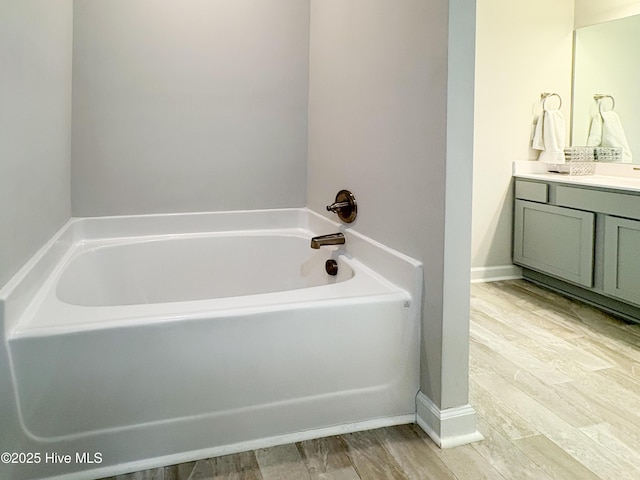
(556, 385)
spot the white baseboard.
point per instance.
(447, 428)
(495, 274)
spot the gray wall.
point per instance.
(378, 126)
(194, 105)
(35, 126)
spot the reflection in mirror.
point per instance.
(606, 62)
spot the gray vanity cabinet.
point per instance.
(622, 258)
(555, 240)
(582, 241)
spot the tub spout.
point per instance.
(331, 239)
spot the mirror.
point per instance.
(606, 62)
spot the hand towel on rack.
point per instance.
(606, 131)
(549, 137)
(595, 131)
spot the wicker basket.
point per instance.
(581, 168)
(579, 154)
(578, 161)
(608, 154)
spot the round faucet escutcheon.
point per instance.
(345, 206)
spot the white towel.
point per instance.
(595, 131)
(606, 131)
(549, 137)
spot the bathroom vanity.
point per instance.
(581, 236)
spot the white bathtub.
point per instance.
(158, 339)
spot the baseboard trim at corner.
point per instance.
(495, 274)
(447, 428)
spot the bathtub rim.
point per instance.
(364, 286)
(17, 296)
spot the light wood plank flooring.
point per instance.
(556, 385)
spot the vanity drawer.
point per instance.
(532, 191)
(611, 203)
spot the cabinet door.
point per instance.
(622, 258)
(554, 240)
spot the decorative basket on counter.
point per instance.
(608, 154)
(579, 161)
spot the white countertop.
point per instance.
(612, 176)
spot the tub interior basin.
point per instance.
(177, 269)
